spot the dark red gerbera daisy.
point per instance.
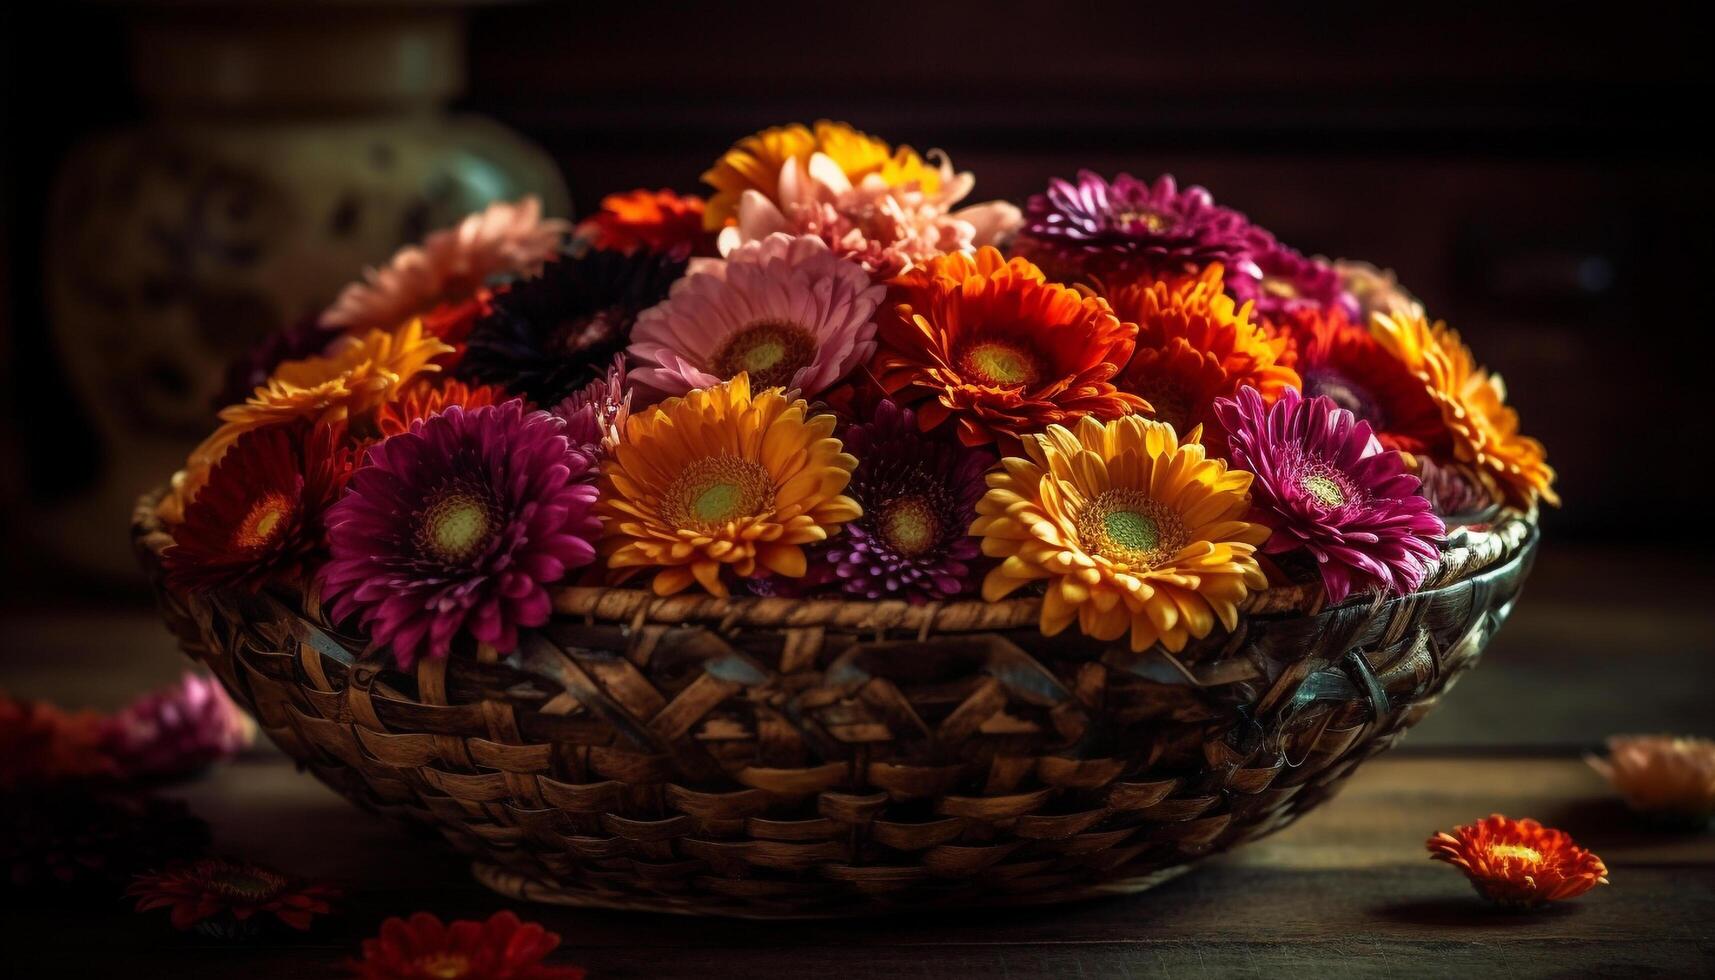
(259, 519)
(229, 899)
(1342, 361)
(424, 948)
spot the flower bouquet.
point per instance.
(831, 545)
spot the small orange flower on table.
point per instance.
(1519, 864)
(1668, 777)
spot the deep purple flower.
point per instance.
(177, 731)
(460, 524)
(1129, 227)
(595, 413)
(919, 494)
(1286, 282)
(1325, 484)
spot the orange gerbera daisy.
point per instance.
(1131, 530)
(1194, 345)
(660, 221)
(425, 398)
(353, 377)
(720, 481)
(1473, 403)
(1669, 777)
(991, 345)
(754, 163)
(1519, 863)
(41, 744)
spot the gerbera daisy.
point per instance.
(424, 948)
(460, 524)
(596, 414)
(784, 310)
(1127, 228)
(884, 228)
(1457, 493)
(229, 899)
(177, 731)
(1324, 484)
(1669, 777)
(426, 398)
(657, 221)
(1519, 864)
(1340, 360)
(990, 345)
(258, 520)
(1129, 528)
(720, 480)
(1284, 282)
(755, 162)
(451, 265)
(1194, 345)
(1483, 427)
(1374, 290)
(551, 335)
(40, 744)
(919, 494)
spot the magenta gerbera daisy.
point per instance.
(919, 494)
(460, 525)
(1127, 228)
(1325, 484)
(596, 413)
(1283, 282)
(783, 309)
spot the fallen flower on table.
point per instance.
(1519, 864)
(424, 948)
(40, 744)
(1671, 778)
(231, 899)
(177, 731)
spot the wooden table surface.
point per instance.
(1600, 644)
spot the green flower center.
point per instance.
(1002, 363)
(772, 352)
(717, 490)
(1129, 528)
(456, 526)
(909, 526)
(1324, 488)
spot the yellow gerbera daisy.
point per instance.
(720, 478)
(1473, 403)
(1132, 529)
(356, 375)
(754, 163)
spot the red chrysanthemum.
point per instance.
(1194, 345)
(221, 897)
(660, 221)
(426, 398)
(259, 518)
(424, 948)
(1341, 360)
(993, 347)
(40, 744)
(1519, 863)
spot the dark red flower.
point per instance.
(40, 744)
(222, 898)
(424, 948)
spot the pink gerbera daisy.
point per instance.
(1326, 485)
(451, 265)
(784, 309)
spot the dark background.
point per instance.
(1539, 175)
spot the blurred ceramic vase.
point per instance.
(285, 146)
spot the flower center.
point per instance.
(909, 526)
(456, 525)
(1323, 487)
(717, 490)
(772, 352)
(1279, 288)
(581, 333)
(1000, 363)
(1151, 219)
(1516, 852)
(444, 966)
(266, 521)
(1170, 401)
(246, 884)
(1129, 528)
(1345, 393)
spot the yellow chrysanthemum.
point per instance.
(720, 478)
(355, 376)
(1132, 529)
(754, 163)
(1473, 403)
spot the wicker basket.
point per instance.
(781, 758)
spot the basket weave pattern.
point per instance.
(780, 758)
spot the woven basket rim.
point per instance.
(1468, 550)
